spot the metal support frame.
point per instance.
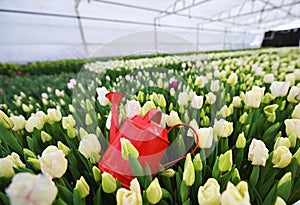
(77, 3)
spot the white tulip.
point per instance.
(294, 95)
(103, 100)
(206, 136)
(90, 147)
(19, 122)
(236, 195)
(237, 102)
(54, 115)
(223, 128)
(232, 79)
(269, 78)
(193, 124)
(27, 188)
(292, 127)
(130, 197)
(296, 112)
(34, 121)
(173, 118)
(258, 152)
(53, 162)
(197, 102)
(215, 86)
(210, 98)
(253, 98)
(183, 98)
(290, 77)
(209, 193)
(132, 108)
(279, 89)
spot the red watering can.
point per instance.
(145, 134)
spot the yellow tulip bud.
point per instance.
(5, 121)
(96, 174)
(241, 141)
(82, 187)
(154, 192)
(281, 157)
(128, 148)
(108, 183)
(45, 137)
(63, 147)
(225, 161)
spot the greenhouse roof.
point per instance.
(46, 30)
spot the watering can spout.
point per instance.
(114, 98)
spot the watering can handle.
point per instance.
(192, 152)
(149, 115)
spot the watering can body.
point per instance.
(144, 133)
(147, 136)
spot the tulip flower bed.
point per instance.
(244, 106)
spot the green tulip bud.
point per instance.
(35, 163)
(89, 105)
(82, 132)
(108, 183)
(72, 132)
(297, 156)
(128, 148)
(225, 161)
(293, 140)
(88, 120)
(161, 100)
(28, 153)
(282, 141)
(243, 118)
(241, 141)
(5, 121)
(281, 157)
(96, 174)
(171, 107)
(45, 137)
(282, 106)
(197, 163)
(284, 186)
(147, 106)
(63, 147)
(140, 96)
(82, 187)
(155, 98)
(189, 171)
(236, 176)
(168, 173)
(68, 122)
(72, 109)
(279, 201)
(267, 98)
(154, 192)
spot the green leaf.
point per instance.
(167, 195)
(4, 199)
(187, 202)
(97, 199)
(148, 176)
(136, 168)
(216, 172)
(184, 191)
(254, 175)
(9, 139)
(22, 169)
(59, 201)
(77, 200)
(65, 194)
(269, 200)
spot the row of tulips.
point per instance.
(243, 105)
